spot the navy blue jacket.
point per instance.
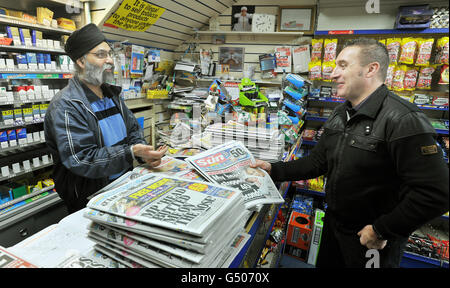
(82, 162)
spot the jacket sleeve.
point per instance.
(424, 174)
(77, 145)
(311, 166)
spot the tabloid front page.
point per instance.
(170, 202)
(228, 164)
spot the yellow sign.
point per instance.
(135, 15)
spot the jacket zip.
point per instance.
(93, 114)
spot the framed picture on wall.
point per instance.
(297, 18)
(241, 17)
(232, 56)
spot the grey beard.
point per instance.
(97, 75)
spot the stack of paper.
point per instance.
(229, 165)
(263, 143)
(167, 221)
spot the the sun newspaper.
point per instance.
(160, 253)
(229, 165)
(169, 202)
(199, 244)
(169, 166)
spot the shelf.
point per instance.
(442, 131)
(327, 99)
(14, 175)
(316, 118)
(311, 192)
(3, 150)
(382, 31)
(248, 33)
(32, 48)
(35, 75)
(21, 125)
(25, 197)
(425, 260)
(13, 21)
(308, 142)
(28, 101)
(256, 81)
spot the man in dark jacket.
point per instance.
(92, 135)
(386, 176)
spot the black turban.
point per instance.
(83, 40)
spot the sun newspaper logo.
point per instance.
(212, 160)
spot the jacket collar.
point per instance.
(372, 105)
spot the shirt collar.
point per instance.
(106, 89)
(369, 106)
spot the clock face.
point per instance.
(263, 23)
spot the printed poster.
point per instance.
(134, 15)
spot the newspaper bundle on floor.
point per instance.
(167, 221)
(264, 144)
(228, 164)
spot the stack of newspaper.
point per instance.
(160, 220)
(229, 165)
(264, 144)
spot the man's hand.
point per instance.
(263, 165)
(148, 154)
(368, 238)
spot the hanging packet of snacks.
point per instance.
(399, 76)
(327, 69)
(409, 82)
(315, 70)
(409, 46)
(316, 51)
(393, 46)
(424, 52)
(390, 76)
(330, 48)
(444, 75)
(442, 51)
(382, 41)
(424, 79)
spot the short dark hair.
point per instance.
(371, 50)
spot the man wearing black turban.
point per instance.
(92, 135)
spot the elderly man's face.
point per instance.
(98, 67)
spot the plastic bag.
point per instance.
(399, 76)
(442, 51)
(409, 82)
(424, 52)
(409, 46)
(327, 69)
(390, 76)
(315, 70)
(393, 46)
(330, 48)
(316, 51)
(424, 79)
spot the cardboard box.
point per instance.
(299, 230)
(316, 237)
(296, 252)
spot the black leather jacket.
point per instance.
(382, 167)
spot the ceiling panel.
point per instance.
(176, 25)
